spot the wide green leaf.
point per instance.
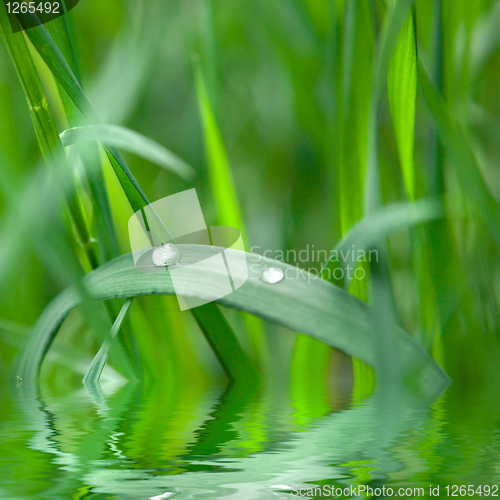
(301, 302)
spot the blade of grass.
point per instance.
(55, 61)
(465, 163)
(220, 172)
(63, 34)
(375, 227)
(88, 155)
(43, 122)
(402, 88)
(222, 182)
(130, 141)
(391, 28)
(394, 18)
(223, 341)
(94, 372)
(355, 72)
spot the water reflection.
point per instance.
(134, 442)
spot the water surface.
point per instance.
(133, 442)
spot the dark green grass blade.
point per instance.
(223, 341)
(38, 106)
(299, 302)
(43, 121)
(55, 61)
(466, 165)
(94, 373)
(62, 32)
(130, 141)
(64, 76)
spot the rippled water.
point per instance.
(133, 442)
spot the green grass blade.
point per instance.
(65, 39)
(300, 302)
(223, 188)
(88, 156)
(130, 141)
(384, 50)
(384, 319)
(220, 172)
(63, 34)
(43, 122)
(394, 19)
(374, 228)
(55, 61)
(466, 165)
(354, 108)
(94, 372)
(352, 49)
(402, 89)
(130, 186)
(222, 339)
(64, 76)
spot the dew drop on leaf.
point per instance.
(272, 275)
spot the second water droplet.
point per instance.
(272, 275)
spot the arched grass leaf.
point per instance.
(301, 302)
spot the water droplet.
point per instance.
(166, 254)
(272, 275)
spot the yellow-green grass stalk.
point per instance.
(224, 191)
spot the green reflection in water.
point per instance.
(136, 442)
